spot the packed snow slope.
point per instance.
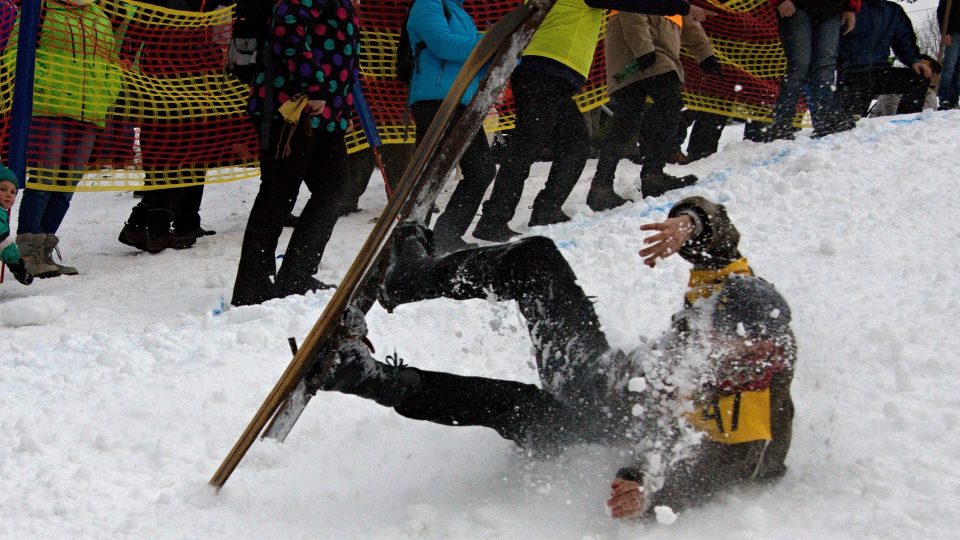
(122, 389)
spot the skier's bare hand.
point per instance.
(626, 499)
(671, 235)
(786, 8)
(849, 21)
(922, 69)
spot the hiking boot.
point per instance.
(493, 233)
(548, 216)
(678, 157)
(836, 127)
(301, 287)
(50, 245)
(138, 237)
(33, 252)
(600, 199)
(656, 184)
(411, 259)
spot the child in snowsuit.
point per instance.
(712, 402)
(9, 253)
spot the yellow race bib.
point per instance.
(735, 418)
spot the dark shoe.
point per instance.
(678, 157)
(291, 221)
(493, 233)
(550, 216)
(947, 106)
(656, 184)
(411, 257)
(138, 237)
(776, 133)
(605, 198)
(301, 287)
(837, 127)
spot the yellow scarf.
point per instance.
(704, 283)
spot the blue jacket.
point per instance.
(881, 24)
(450, 37)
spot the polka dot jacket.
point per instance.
(313, 48)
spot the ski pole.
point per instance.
(370, 130)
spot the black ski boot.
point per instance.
(356, 372)
(407, 278)
(602, 198)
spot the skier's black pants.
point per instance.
(547, 116)
(656, 125)
(478, 171)
(857, 90)
(570, 347)
(319, 160)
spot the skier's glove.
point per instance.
(646, 61)
(711, 66)
(20, 273)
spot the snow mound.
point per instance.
(32, 311)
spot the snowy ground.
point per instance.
(120, 401)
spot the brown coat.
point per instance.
(632, 35)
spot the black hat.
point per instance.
(748, 306)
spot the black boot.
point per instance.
(546, 215)
(356, 372)
(601, 198)
(658, 183)
(411, 261)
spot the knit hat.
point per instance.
(748, 306)
(6, 175)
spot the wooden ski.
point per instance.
(432, 163)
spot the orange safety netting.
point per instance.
(143, 90)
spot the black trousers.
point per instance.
(705, 135)
(547, 116)
(478, 171)
(857, 90)
(655, 124)
(319, 160)
(572, 352)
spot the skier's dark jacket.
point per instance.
(715, 465)
(881, 24)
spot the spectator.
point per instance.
(168, 217)
(9, 254)
(810, 34)
(705, 131)
(553, 68)
(643, 61)
(950, 78)
(76, 82)
(310, 62)
(864, 66)
(442, 35)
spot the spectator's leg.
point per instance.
(661, 120)
(328, 178)
(279, 186)
(854, 94)
(186, 210)
(796, 36)
(911, 87)
(538, 99)
(76, 154)
(823, 71)
(628, 106)
(705, 135)
(950, 76)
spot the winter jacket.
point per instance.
(568, 35)
(881, 25)
(953, 26)
(823, 7)
(313, 50)
(631, 35)
(9, 253)
(450, 35)
(76, 73)
(745, 413)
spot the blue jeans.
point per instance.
(61, 148)
(949, 89)
(810, 43)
